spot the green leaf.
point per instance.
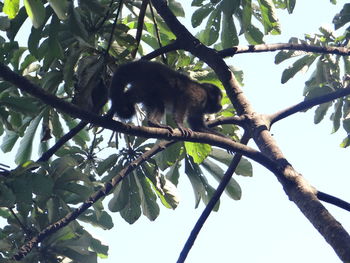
(198, 151)
(102, 219)
(290, 5)
(5, 24)
(170, 198)
(169, 156)
(76, 25)
(7, 197)
(301, 64)
(107, 163)
(36, 12)
(149, 204)
(244, 168)
(80, 192)
(22, 188)
(34, 40)
(212, 28)
(346, 124)
(173, 173)
(11, 8)
(82, 137)
(194, 173)
(200, 14)
(314, 92)
(284, 55)
(57, 129)
(42, 184)
(25, 147)
(99, 248)
(24, 105)
(9, 140)
(269, 17)
(321, 112)
(346, 142)
(229, 37)
(221, 156)
(253, 35)
(120, 197)
(51, 81)
(336, 116)
(55, 47)
(343, 17)
(246, 14)
(164, 188)
(176, 8)
(60, 7)
(197, 2)
(232, 189)
(132, 211)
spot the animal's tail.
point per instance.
(122, 104)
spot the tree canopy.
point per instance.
(74, 165)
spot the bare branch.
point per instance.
(210, 206)
(307, 104)
(283, 46)
(114, 25)
(65, 138)
(140, 22)
(333, 200)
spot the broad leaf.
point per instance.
(25, 148)
(11, 8)
(36, 12)
(198, 151)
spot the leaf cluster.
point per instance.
(330, 71)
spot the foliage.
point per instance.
(330, 73)
(68, 55)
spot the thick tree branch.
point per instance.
(283, 46)
(149, 132)
(307, 104)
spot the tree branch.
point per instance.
(333, 200)
(149, 132)
(140, 22)
(283, 46)
(307, 104)
(210, 206)
(65, 138)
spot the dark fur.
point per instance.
(158, 87)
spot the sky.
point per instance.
(264, 226)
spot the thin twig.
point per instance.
(114, 26)
(307, 104)
(157, 32)
(140, 22)
(210, 206)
